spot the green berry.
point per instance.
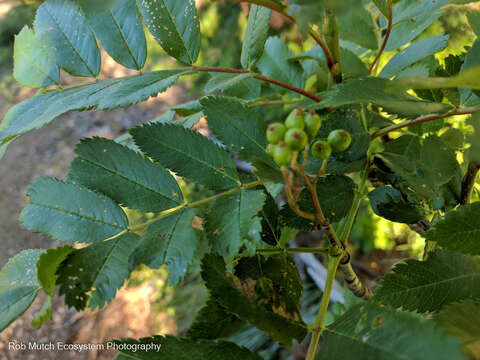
(339, 140)
(271, 149)
(321, 149)
(313, 123)
(275, 133)
(282, 154)
(295, 119)
(296, 139)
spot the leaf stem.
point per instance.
(422, 119)
(319, 322)
(387, 35)
(293, 250)
(469, 182)
(273, 102)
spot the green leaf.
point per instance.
(124, 175)
(368, 331)
(363, 32)
(214, 322)
(335, 193)
(388, 203)
(445, 277)
(44, 314)
(239, 127)
(474, 139)
(170, 241)
(380, 92)
(461, 320)
(18, 285)
(175, 25)
(68, 212)
(61, 27)
(255, 35)
(474, 20)
(32, 65)
(47, 267)
(382, 6)
(274, 63)
(173, 348)
(240, 298)
(459, 230)
(109, 94)
(231, 221)
(92, 275)
(414, 53)
(187, 153)
(119, 29)
(222, 82)
(353, 158)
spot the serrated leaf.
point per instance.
(240, 128)
(445, 277)
(222, 82)
(461, 320)
(170, 241)
(33, 66)
(18, 285)
(92, 275)
(414, 53)
(214, 322)
(274, 63)
(175, 25)
(44, 314)
(351, 159)
(240, 300)
(124, 175)
(388, 203)
(173, 348)
(255, 35)
(109, 94)
(188, 154)
(231, 221)
(47, 267)
(71, 43)
(368, 331)
(459, 230)
(120, 31)
(381, 92)
(357, 25)
(68, 212)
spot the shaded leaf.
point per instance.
(124, 176)
(32, 65)
(459, 230)
(71, 43)
(473, 154)
(255, 35)
(175, 25)
(232, 222)
(68, 212)
(368, 331)
(44, 314)
(119, 29)
(357, 25)
(238, 297)
(173, 348)
(187, 153)
(445, 277)
(170, 241)
(92, 275)
(18, 285)
(474, 20)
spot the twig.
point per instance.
(387, 35)
(468, 183)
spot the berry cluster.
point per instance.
(298, 131)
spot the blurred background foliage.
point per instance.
(376, 242)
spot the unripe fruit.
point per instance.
(275, 133)
(339, 140)
(282, 154)
(321, 149)
(296, 139)
(271, 149)
(295, 119)
(313, 123)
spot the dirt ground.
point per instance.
(48, 152)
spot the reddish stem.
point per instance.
(387, 35)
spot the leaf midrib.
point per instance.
(124, 40)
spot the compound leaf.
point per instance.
(69, 212)
(255, 35)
